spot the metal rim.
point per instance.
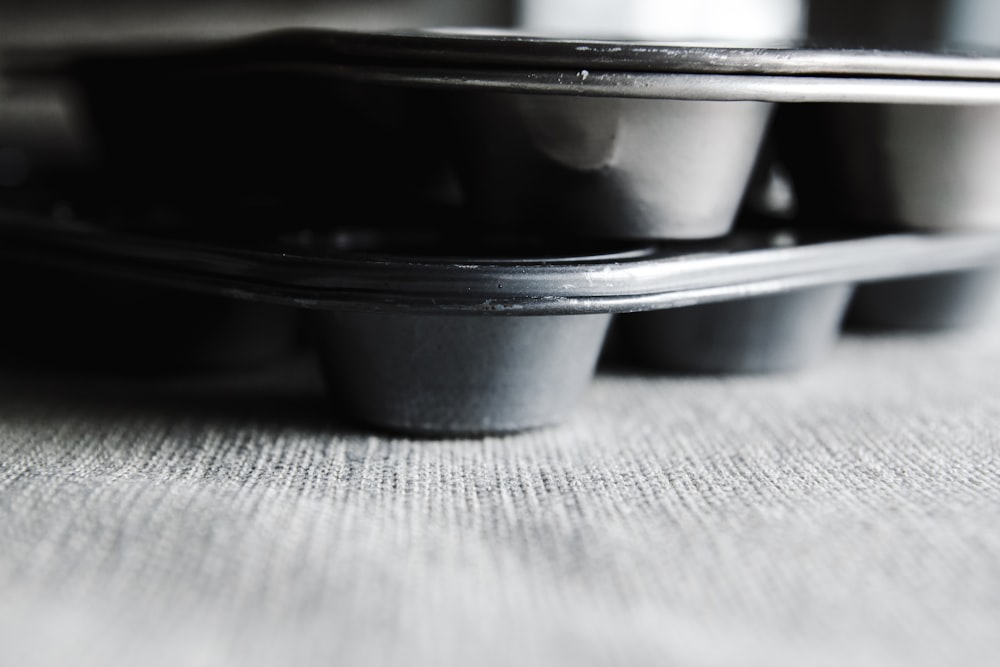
(662, 86)
(504, 49)
(535, 65)
(623, 69)
(669, 278)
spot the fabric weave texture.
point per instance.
(848, 514)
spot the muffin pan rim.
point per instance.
(786, 89)
(538, 65)
(670, 278)
(475, 49)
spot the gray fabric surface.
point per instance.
(846, 515)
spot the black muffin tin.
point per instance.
(420, 334)
(460, 218)
(599, 138)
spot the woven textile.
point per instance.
(847, 515)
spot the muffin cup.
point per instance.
(942, 301)
(923, 167)
(625, 168)
(459, 374)
(762, 334)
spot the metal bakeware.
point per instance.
(329, 122)
(647, 277)
(504, 62)
(942, 301)
(621, 167)
(454, 374)
(968, 25)
(452, 342)
(922, 167)
(758, 334)
(433, 373)
(421, 338)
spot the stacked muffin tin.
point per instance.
(463, 214)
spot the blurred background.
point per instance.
(60, 21)
(88, 21)
(912, 23)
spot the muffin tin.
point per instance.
(925, 167)
(601, 138)
(465, 214)
(454, 342)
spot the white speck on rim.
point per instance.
(583, 74)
